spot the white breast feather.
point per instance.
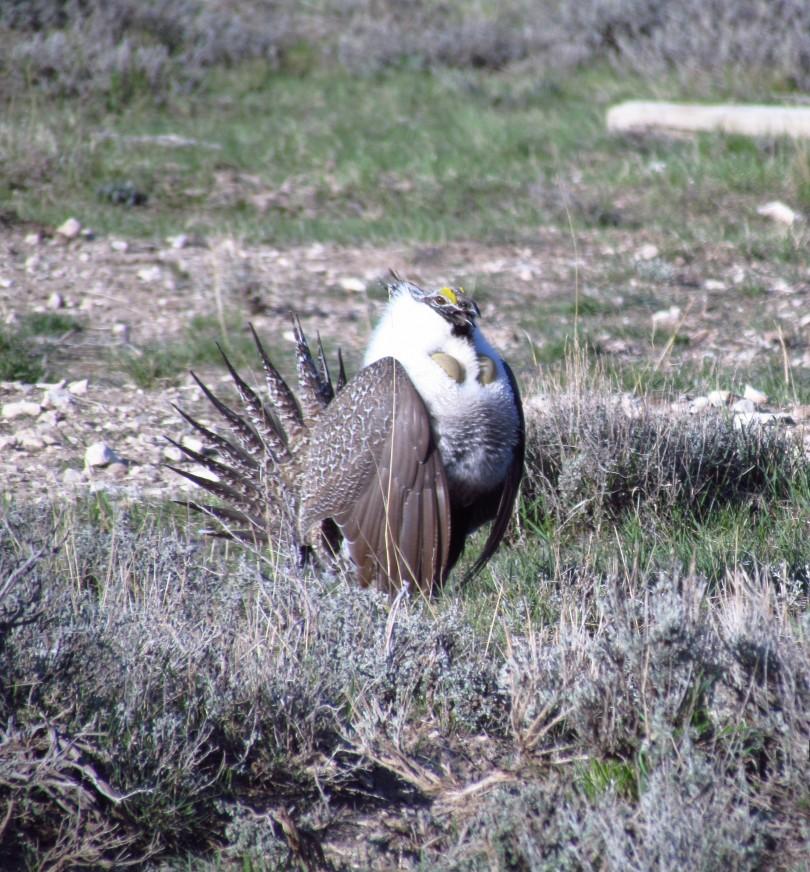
(410, 331)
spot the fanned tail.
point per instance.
(314, 382)
(253, 471)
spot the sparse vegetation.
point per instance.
(26, 347)
(627, 687)
(163, 362)
(172, 699)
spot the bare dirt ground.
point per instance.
(129, 295)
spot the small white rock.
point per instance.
(121, 331)
(713, 285)
(33, 238)
(50, 419)
(745, 420)
(48, 437)
(73, 477)
(354, 285)
(70, 229)
(57, 398)
(647, 252)
(32, 263)
(20, 409)
(78, 388)
(778, 211)
(29, 440)
(179, 241)
(756, 397)
(744, 407)
(718, 398)
(6, 283)
(193, 444)
(173, 454)
(56, 301)
(117, 469)
(667, 317)
(119, 245)
(698, 404)
(99, 454)
(150, 274)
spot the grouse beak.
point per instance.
(456, 307)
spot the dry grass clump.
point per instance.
(683, 750)
(154, 693)
(594, 454)
(161, 698)
(716, 40)
(126, 48)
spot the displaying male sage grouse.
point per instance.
(394, 468)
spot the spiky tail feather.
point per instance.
(255, 473)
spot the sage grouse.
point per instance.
(394, 468)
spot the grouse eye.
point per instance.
(439, 300)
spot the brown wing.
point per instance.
(509, 492)
(373, 468)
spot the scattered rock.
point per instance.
(117, 469)
(29, 440)
(150, 274)
(20, 409)
(738, 275)
(354, 285)
(119, 245)
(779, 212)
(55, 301)
(698, 404)
(194, 444)
(745, 420)
(647, 252)
(121, 330)
(57, 398)
(78, 388)
(718, 398)
(743, 406)
(122, 193)
(713, 285)
(179, 241)
(780, 286)
(667, 317)
(173, 454)
(757, 397)
(70, 229)
(50, 419)
(99, 454)
(33, 238)
(73, 477)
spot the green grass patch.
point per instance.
(27, 347)
(288, 158)
(157, 363)
(782, 386)
(597, 777)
